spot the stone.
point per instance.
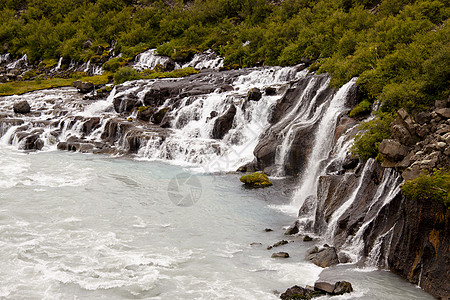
(159, 115)
(268, 230)
(254, 94)
(278, 244)
(21, 107)
(423, 117)
(297, 292)
(270, 91)
(256, 180)
(393, 150)
(83, 87)
(307, 238)
(293, 229)
(326, 257)
(280, 255)
(224, 123)
(443, 113)
(324, 287)
(126, 103)
(342, 287)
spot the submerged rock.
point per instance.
(293, 229)
(280, 255)
(256, 180)
(21, 107)
(277, 244)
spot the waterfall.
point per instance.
(58, 66)
(149, 59)
(4, 58)
(205, 60)
(387, 190)
(22, 62)
(322, 145)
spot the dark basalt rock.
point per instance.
(21, 107)
(326, 257)
(280, 255)
(254, 94)
(339, 288)
(83, 87)
(270, 91)
(126, 103)
(324, 287)
(293, 229)
(159, 115)
(278, 244)
(224, 123)
(297, 292)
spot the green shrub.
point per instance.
(372, 133)
(29, 74)
(363, 108)
(256, 180)
(126, 74)
(432, 187)
(114, 64)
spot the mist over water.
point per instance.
(93, 227)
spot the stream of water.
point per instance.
(87, 226)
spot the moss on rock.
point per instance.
(256, 180)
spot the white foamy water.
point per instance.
(92, 227)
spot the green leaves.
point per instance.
(429, 187)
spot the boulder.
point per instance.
(83, 87)
(224, 123)
(144, 113)
(270, 91)
(277, 244)
(254, 94)
(339, 288)
(159, 115)
(342, 287)
(325, 257)
(256, 180)
(297, 292)
(126, 103)
(21, 107)
(280, 255)
(393, 150)
(307, 238)
(324, 287)
(293, 229)
(443, 113)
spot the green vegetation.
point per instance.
(126, 74)
(256, 180)
(432, 187)
(363, 108)
(22, 87)
(371, 135)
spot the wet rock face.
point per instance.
(224, 123)
(285, 111)
(21, 107)
(254, 94)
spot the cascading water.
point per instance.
(20, 63)
(205, 60)
(149, 59)
(321, 150)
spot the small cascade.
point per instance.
(205, 60)
(387, 190)
(332, 224)
(20, 63)
(375, 257)
(58, 66)
(149, 59)
(321, 150)
(5, 58)
(302, 115)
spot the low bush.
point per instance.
(432, 187)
